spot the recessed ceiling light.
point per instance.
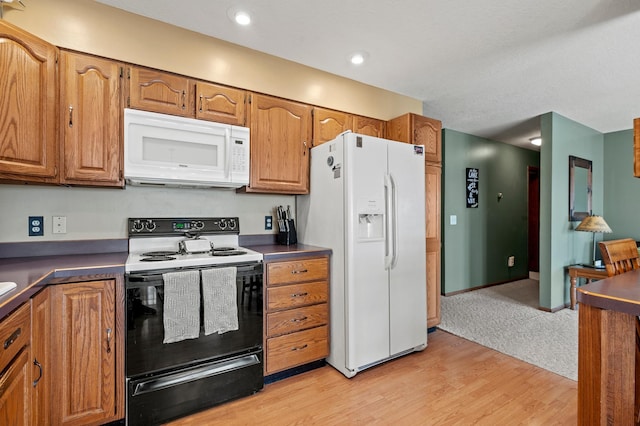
(357, 58)
(239, 16)
(536, 141)
(242, 18)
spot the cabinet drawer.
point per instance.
(15, 334)
(296, 271)
(298, 348)
(294, 296)
(284, 322)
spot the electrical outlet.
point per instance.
(268, 222)
(511, 261)
(36, 226)
(59, 224)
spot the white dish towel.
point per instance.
(220, 300)
(181, 306)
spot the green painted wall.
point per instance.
(621, 189)
(475, 251)
(560, 245)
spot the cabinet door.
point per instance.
(432, 186)
(280, 139)
(327, 124)
(91, 120)
(15, 391)
(157, 91)
(28, 147)
(368, 126)
(41, 370)
(83, 352)
(426, 131)
(220, 103)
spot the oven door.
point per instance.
(147, 354)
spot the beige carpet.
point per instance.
(506, 318)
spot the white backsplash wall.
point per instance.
(102, 213)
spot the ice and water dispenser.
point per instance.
(370, 220)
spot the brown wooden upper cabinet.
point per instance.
(159, 91)
(28, 147)
(418, 130)
(327, 124)
(636, 147)
(280, 143)
(220, 103)
(90, 120)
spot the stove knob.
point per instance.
(150, 225)
(198, 225)
(232, 224)
(223, 224)
(137, 226)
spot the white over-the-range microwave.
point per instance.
(165, 150)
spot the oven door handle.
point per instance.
(144, 278)
(158, 383)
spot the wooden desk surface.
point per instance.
(618, 293)
(586, 272)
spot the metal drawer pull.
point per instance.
(70, 115)
(37, 364)
(108, 340)
(299, 348)
(299, 294)
(298, 319)
(301, 271)
(12, 338)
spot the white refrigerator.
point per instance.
(367, 204)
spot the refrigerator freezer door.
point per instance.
(367, 288)
(407, 285)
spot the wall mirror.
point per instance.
(579, 188)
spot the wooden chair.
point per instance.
(620, 256)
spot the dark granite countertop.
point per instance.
(32, 273)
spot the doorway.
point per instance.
(533, 231)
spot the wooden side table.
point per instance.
(586, 272)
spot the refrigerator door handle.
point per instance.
(394, 222)
(390, 238)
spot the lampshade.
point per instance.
(593, 224)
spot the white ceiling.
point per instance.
(487, 68)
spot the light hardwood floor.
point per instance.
(452, 382)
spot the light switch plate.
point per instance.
(59, 224)
(453, 219)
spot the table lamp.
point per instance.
(594, 224)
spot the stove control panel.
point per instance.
(181, 226)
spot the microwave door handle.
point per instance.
(227, 141)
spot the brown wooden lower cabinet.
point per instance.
(296, 312)
(78, 344)
(15, 377)
(14, 391)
